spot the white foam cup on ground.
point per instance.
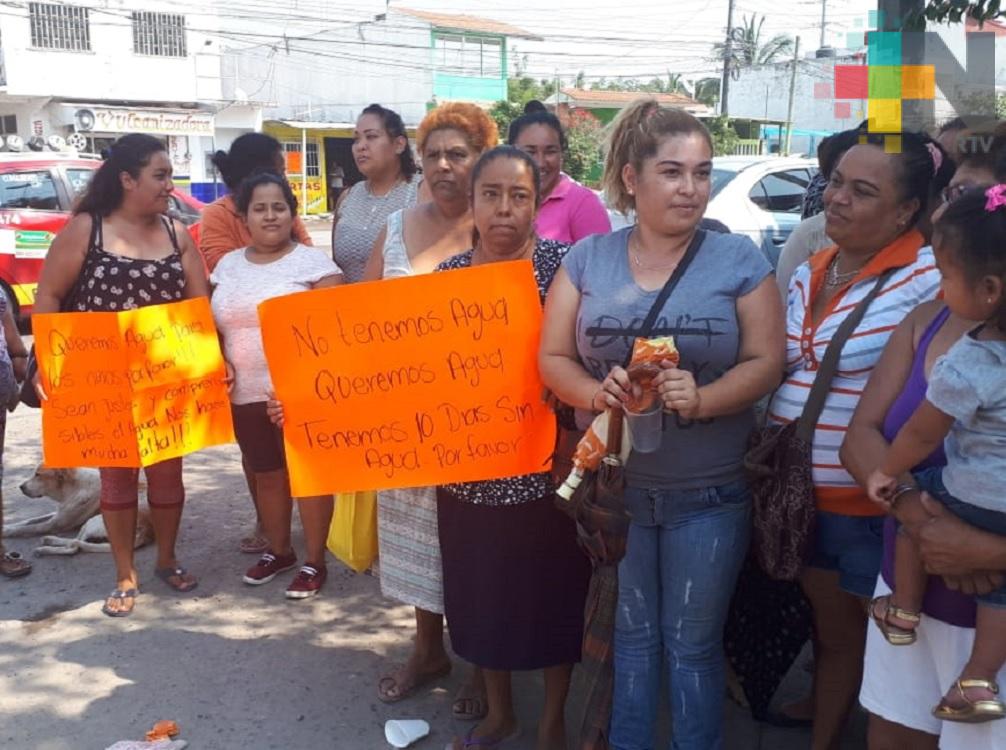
(403, 732)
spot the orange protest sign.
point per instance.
(131, 388)
(410, 382)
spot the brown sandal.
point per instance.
(974, 712)
(12, 565)
(895, 634)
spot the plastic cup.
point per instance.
(646, 427)
(403, 732)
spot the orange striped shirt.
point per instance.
(915, 281)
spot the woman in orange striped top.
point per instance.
(872, 205)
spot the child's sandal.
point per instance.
(894, 634)
(973, 712)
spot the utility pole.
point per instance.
(824, 22)
(792, 89)
(728, 52)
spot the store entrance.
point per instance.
(340, 169)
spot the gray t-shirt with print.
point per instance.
(969, 384)
(701, 315)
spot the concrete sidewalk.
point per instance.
(236, 666)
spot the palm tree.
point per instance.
(707, 91)
(747, 48)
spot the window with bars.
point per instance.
(294, 160)
(59, 27)
(8, 125)
(158, 34)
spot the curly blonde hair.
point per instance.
(635, 136)
(470, 119)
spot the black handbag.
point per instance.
(778, 464)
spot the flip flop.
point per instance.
(469, 697)
(12, 565)
(166, 574)
(120, 594)
(405, 691)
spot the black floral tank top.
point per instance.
(111, 283)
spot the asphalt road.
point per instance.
(236, 666)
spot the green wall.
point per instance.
(451, 88)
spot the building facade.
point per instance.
(88, 75)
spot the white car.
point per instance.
(760, 196)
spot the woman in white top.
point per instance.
(274, 264)
(451, 138)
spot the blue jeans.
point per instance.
(685, 551)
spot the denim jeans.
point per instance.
(685, 550)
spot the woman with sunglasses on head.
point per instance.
(900, 717)
(875, 202)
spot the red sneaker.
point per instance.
(268, 567)
(307, 583)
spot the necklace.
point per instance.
(836, 279)
(639, 264)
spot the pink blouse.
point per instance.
(571, 212)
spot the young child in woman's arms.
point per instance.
(965, 408)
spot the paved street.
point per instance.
(236, 666)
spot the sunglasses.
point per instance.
(952, 192)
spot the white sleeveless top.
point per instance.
(396, 257)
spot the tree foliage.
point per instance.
(584, 134)
(583, 130)
(748, 48)
(725, 138)
(673, 83)
(520, 91)
(954, 11)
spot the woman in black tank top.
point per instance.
(120, 252)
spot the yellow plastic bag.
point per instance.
(352, 537)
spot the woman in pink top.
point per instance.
(569, 211)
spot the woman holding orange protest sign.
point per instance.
(450, 138)
(685, 492)
(273, 264)
(515, 581)
(120, 252)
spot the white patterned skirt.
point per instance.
(409, 546)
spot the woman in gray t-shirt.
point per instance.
(688, 501)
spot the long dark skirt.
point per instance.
(515, 583)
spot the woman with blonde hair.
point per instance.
(688, 501)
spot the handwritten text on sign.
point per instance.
(410, 382)
(131, 388)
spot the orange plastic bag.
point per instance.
(352, 537)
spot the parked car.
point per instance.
(760, 196)
(37, 191)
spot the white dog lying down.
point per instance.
(78, 492)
